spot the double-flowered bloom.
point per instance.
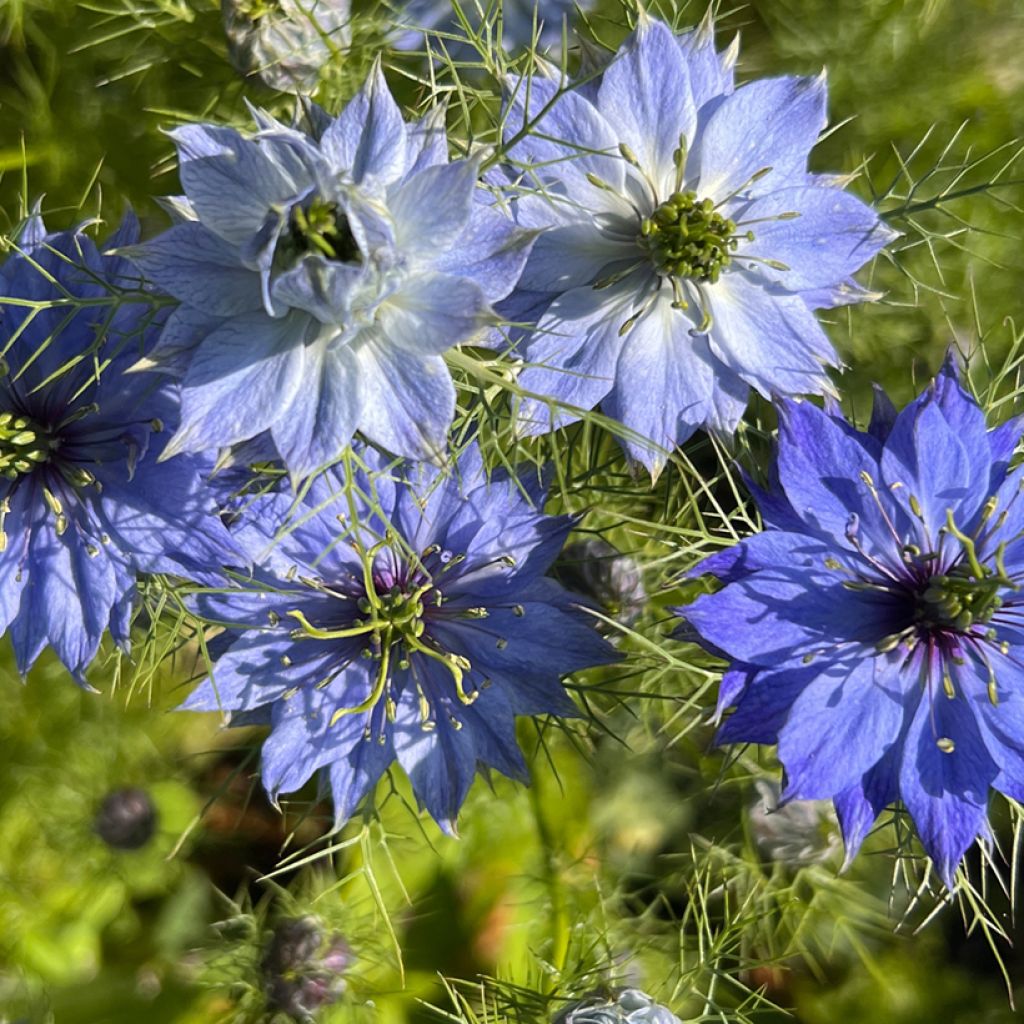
(402, 615)
(685, 244)
(322, 276)
(876, 627)
(84, 504)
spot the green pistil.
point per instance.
(958, 600)
(321, 228)
(24, 446)
(969, 593)
(686, 237)
(393, 626)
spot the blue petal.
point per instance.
(821, 468)
(764, 704)
(664, 380)
(646, 97)
(432, 312)
(431, 208)
(164, 519)
(21, 519)
(303, 739)
(771, 123)
(772, 548)
(946, 793)
(571, 141)
(408, 401)
(440, 762)
(778, 611)
(840, 726)
(260, 668)
(834, 235)
(196, 266)
(711, 73)
(321, 422)
(572, 355)
(769, 339)
(231, 181)
(491, 251)
(926, 459)
(368, 139)
(181, 335)
(354, 773)
(242, 378)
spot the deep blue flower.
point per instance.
(84, 504)
(322, 276)
(418, 632)
(522, 21)
(286, 43)
(686, 244)
(875, 626)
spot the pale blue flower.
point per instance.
(322, 277)
(685, 244)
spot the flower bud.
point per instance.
(303, 968)
(285, 43)
(629, 1006)
(126, 819)
(799, 833)
(595, 569)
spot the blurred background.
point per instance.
(142, 870)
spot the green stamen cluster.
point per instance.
(969, 592)
(686, 237)
(23, 445)
(958, 600)
(321, 228)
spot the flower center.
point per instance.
(686, 237)
(24, 446)
(321, 227)
(392, 625)
(958, 600)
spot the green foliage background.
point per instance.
(607, 864)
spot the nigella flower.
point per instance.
(874, 629)
(686, 244)
(321, 277)
(84, 505)
(522, 22)
(418, 631)
(286, 43)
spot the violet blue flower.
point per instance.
(415, 631)
(874, 629)
(685, 244)
(84, 504)
(322, 277)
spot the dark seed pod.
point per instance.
(126, 819)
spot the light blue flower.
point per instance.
(874, 629)
(322, 276)
(418, 637)
(686, 245)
